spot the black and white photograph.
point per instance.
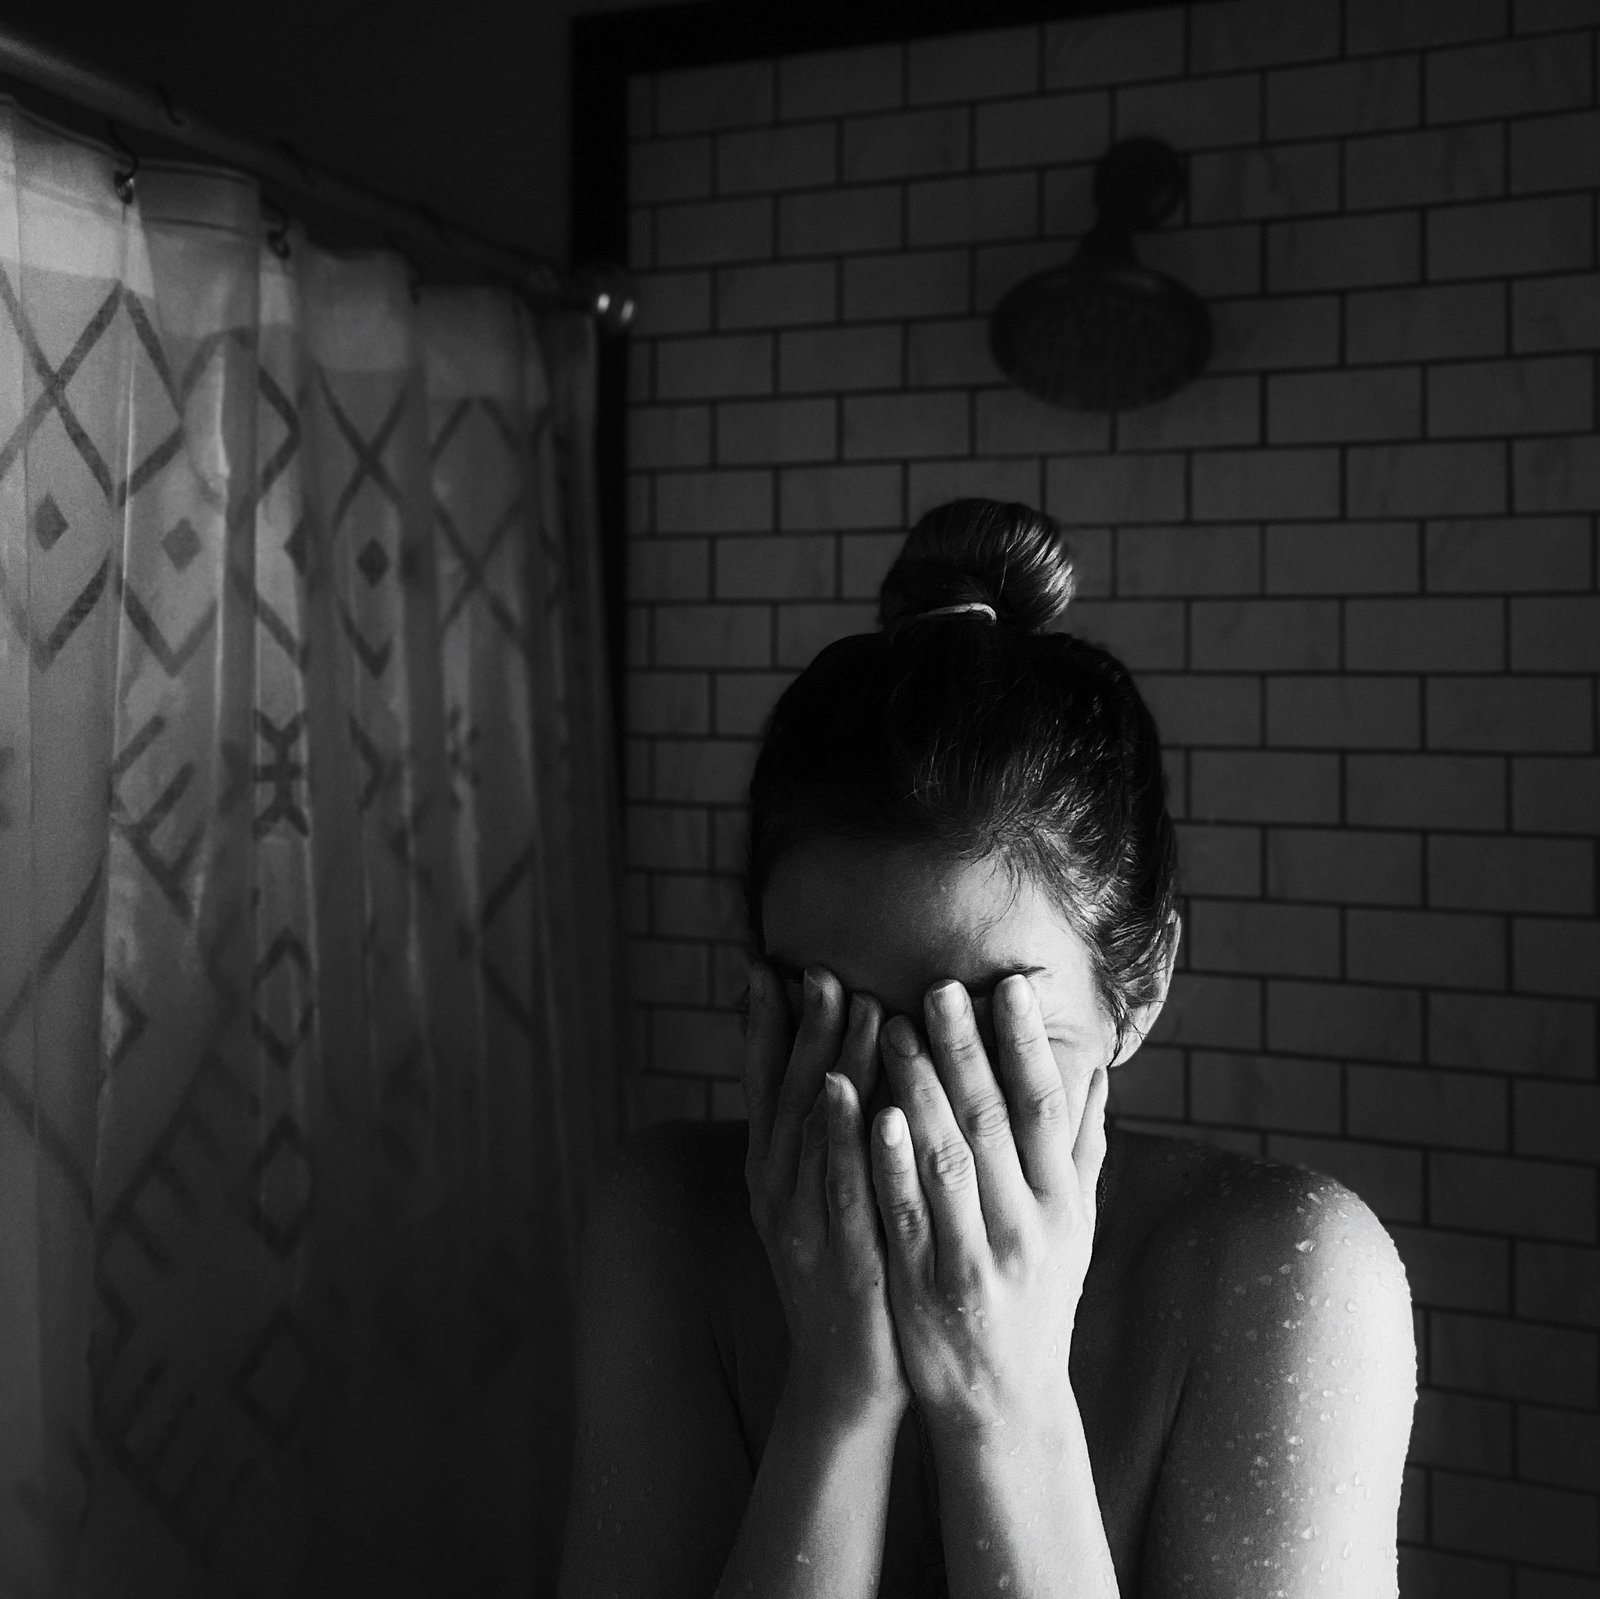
(800, 802)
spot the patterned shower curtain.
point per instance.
(308, 969)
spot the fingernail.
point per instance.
(949, 1000)
(901, 1036)
(835, 1086)
(1015, 995)
(813, 985)
(891, 1130)
(860, 1012)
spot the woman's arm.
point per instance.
(662, 1488)
(1282, 1474)
(989, 1206)
(814, 1525)
(1019, 1512)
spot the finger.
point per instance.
(858, 1055)
(944, 1161)
(766, 1049)
(852, 1224)
(979, 1107)
(1089, 1152)
(808, 1215)
(1042, 1121)
(907, 1226)
(816, 1048)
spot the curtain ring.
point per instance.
(122, 181)
(277, 231)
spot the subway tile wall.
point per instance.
(1353, 567)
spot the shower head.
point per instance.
(1103, 333)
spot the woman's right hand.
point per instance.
(811, 1193)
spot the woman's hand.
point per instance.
(811, 1191)
(988, 1208)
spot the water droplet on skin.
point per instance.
(1350, 1304)
(1305, 1246)
(1344, 1554)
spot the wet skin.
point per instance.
(1240, 1355)
(1174, 1221)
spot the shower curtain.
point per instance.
(308, 969)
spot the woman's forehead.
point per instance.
(892, 919)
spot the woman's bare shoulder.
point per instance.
(1235, 1242)
(1225, 1209)
(1291, 1429)
(659, 1443)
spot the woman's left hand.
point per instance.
(988, 1207)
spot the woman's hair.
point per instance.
(982, 737)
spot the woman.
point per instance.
(925, 1326)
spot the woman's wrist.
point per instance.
(1019, 1507)
(1046, 1421)
(837, 1408)
(814, 1524)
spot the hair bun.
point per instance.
(1010, 557)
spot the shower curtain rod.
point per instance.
(132, 107)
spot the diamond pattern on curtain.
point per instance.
(307, 889)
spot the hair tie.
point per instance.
(957, 610)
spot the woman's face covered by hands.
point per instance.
(995, 1055)
(894, 922)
